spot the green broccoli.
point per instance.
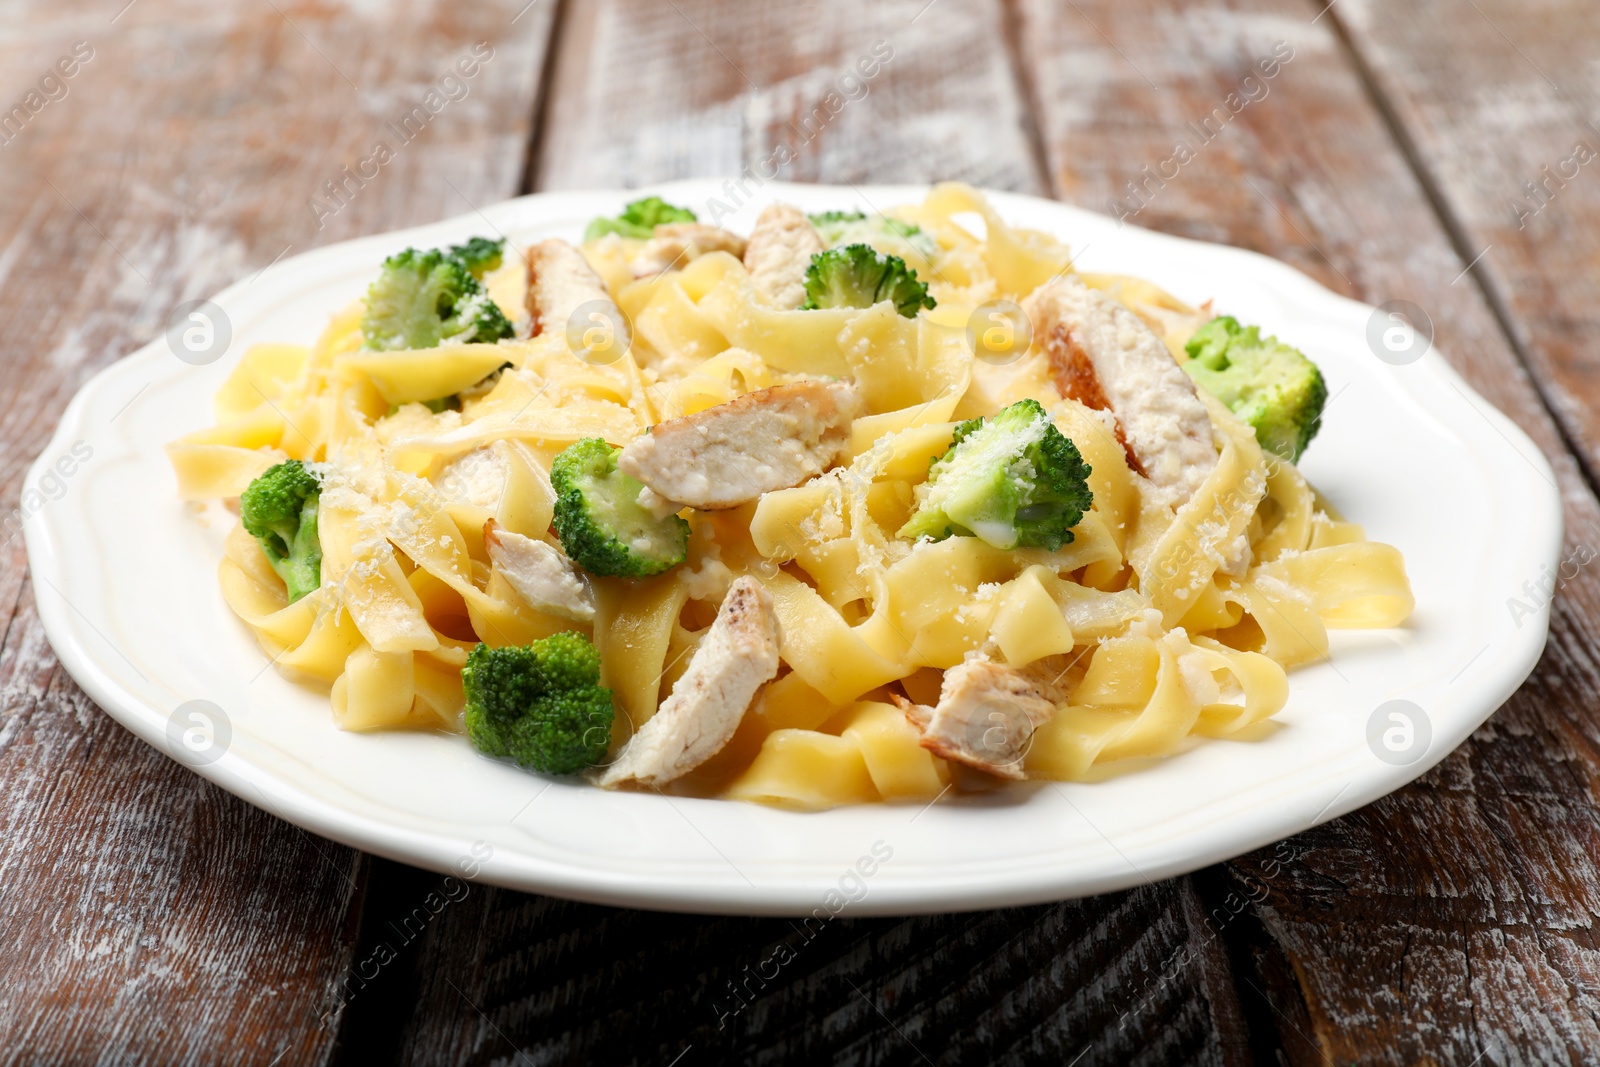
(832, 221)
(1011, 480)
(425, 299)
(911, 232)
(852, 227)
(600, 521)
(541, 704)
(479, 255)
(279, 509)
(639, 219)
(1269, 385)
(858, 276)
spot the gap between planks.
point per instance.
(1455, 229)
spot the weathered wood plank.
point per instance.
(651, 92)
(150, 917)
(645, 92)
(1455, 917)
(1502, 108)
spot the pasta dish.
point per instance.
(857, 507)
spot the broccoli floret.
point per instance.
(279, 509)
(479, 255)
(912, 233)
(1268, 384)
(852, 227)
(600, 521)
(828, 222)
(425, 299)
(858, 276)
(541, 704)
(1012, 481)
(639, 219)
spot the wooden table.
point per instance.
(148, 917)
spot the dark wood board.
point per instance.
(499, 976)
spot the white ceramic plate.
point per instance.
(126, 587)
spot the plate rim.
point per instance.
(958, 889)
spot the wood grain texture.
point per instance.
(647, 92)
(148, 916)
(1454, 918)
(1500, 103)
(504, 976)
(643, 92)
(159, 920)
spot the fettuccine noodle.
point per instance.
(1149, 636)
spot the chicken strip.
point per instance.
(675, 244)
(1105, 357)
(540, 573)
(985, 718)
(738, 655)
(730, 454)
(560, 281)
(780, 250)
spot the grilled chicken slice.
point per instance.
(1104, 356)
(560, 281)
(985, 717)
(780, 250)
(917, 715)
(540, 573)
(730, 454)
(738, 655)
(675, 244)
